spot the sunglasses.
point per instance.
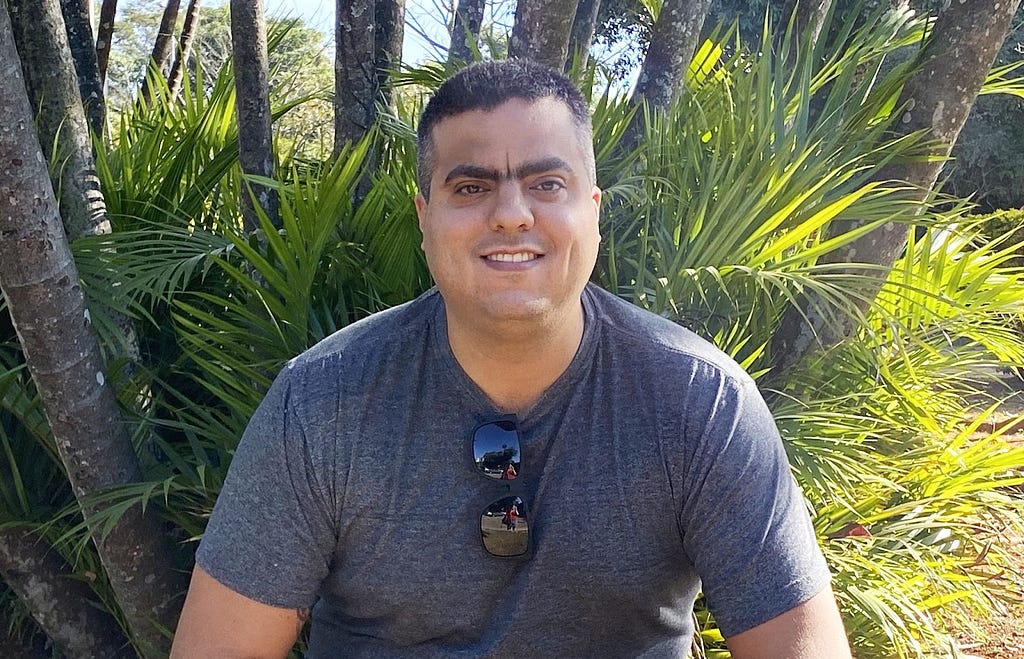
(497, 454)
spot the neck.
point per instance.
(514, 362)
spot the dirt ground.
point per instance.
(1002, 635)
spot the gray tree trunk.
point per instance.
(387, 47)
(469, 17)
(52, 85)
(674, 39)
(39, 280)
(63, 607)
(188, 33)
(541, 31)
(938, 98)
(583, 28)
(355, 77)
(808, 17)
(252, 102)
(164, 44)
(83, 52)
(104, 34)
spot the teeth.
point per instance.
(518, 257)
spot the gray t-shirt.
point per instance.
(651, 464)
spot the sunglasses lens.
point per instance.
(505, 527)
(496, 450)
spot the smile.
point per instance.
(517, 257)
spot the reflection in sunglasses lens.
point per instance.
(505, 527)
(496, 450)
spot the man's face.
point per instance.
(511, 228)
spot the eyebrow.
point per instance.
(529, 168)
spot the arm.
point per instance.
(811, 630)
(218, 622)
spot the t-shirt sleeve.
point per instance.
(744, 521)
(270, 536)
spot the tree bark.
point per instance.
(39, 280)
(469, 17)
(188, 33)
(388, 38)
(937, 98)
(104, 33)
(808, 17)
(64, 607)
(541, 31)
(355, 80)
(52, 86)
(164, 43)
(674, 39)
(83, 52)
(252, 103)
(582, 34)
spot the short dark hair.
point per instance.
(485, 86)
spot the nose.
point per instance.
(511, 211)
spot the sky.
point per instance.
(320, 14)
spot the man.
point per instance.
(369, 485)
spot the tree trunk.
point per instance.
(953, 64)
(188, 33)
(64, 607)
(541, 31)
(674, 39)
(83, 52)
(583, 28)
(390, 32)
(469, 17)
(52, 86)
(39, 280)
(108, 10)
(252, 103)
(164, 43)
(808, 17)
(162, 46)
(355, 80)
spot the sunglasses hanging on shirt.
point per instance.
(497, 454)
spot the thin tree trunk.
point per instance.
(674, 39)
(64, 607)
(541, 31)
(162, 46)
(52, 86)
(808, 17)
(104, 33)
(188, 33)
(39, 280)
(355, 80)
(583, 28)
(83, 52)
(469, 17)
(164, 43)
(954, 61)
(252, 103)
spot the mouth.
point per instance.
(512, 257)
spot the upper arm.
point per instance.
(811, 630)
(218, 622)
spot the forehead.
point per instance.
(513, 129)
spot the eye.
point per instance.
(469, 189)
(549, 185)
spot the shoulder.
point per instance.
(379, 335)
(656, 345)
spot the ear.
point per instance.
(595, 194)
(421, 209)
